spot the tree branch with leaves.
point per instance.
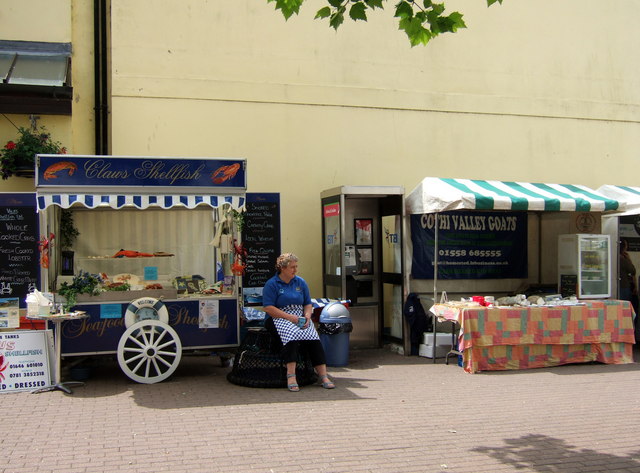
(421, 21)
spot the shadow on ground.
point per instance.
(548, 454)
(201, 380)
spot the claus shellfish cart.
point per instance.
(168, 228)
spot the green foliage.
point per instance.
(238, 218)
(68, 230)
(288, 7)
(83, 283)
(21, 153)
(421, 21)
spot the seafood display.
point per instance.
(139, 254)
(132, 254)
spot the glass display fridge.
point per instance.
(584, 265)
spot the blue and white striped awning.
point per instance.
(438, 194)
(627, 194)
(143, 201)
(320, 302)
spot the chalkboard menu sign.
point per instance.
(19, 255)
(568, 285)
(261, 239)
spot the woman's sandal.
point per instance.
(293, 387)
(326, 382)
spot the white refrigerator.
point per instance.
(584, 265)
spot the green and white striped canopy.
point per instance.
(435, 194)
(627, 194)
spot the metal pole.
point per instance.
(435, 282)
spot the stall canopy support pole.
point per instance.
(539, 249)
(435, 283)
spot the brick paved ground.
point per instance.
(389, 414)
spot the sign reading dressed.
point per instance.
(19, 254)
(24, 360)
(97, 171)
(471, 245)
(261, 239)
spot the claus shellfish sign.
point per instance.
(24, 360)
(99, 171)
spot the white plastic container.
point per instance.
(442, 347)
(39, 303)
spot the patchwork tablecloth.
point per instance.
(533, 337)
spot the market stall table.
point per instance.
(509, 338)
(57, 320)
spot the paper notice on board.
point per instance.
(209, 314)
(9, 313)
(350, 255)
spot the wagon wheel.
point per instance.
(149, 351)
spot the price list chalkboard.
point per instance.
(261, 238)
(19, 255)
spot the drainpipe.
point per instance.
(101, 109)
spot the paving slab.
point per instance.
(389, 413)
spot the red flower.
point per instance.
(10, 145)
(63, 150)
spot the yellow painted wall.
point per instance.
(36, 20)
(532, 90)
(57, 21)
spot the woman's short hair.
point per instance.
(284, 260)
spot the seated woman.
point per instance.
(287, 301)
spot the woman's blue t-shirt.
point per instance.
(280, 294)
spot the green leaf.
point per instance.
(421, 36)
(288, 7)
(404, 10)
(438, 8)
(416, 33)
(491, 2)
(357, 11)
(335, 3)
(457, 20)
(433, 19)
(323, 12)
(374, 4)
(427, 3)
(336, 20)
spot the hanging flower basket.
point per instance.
(17, 158)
